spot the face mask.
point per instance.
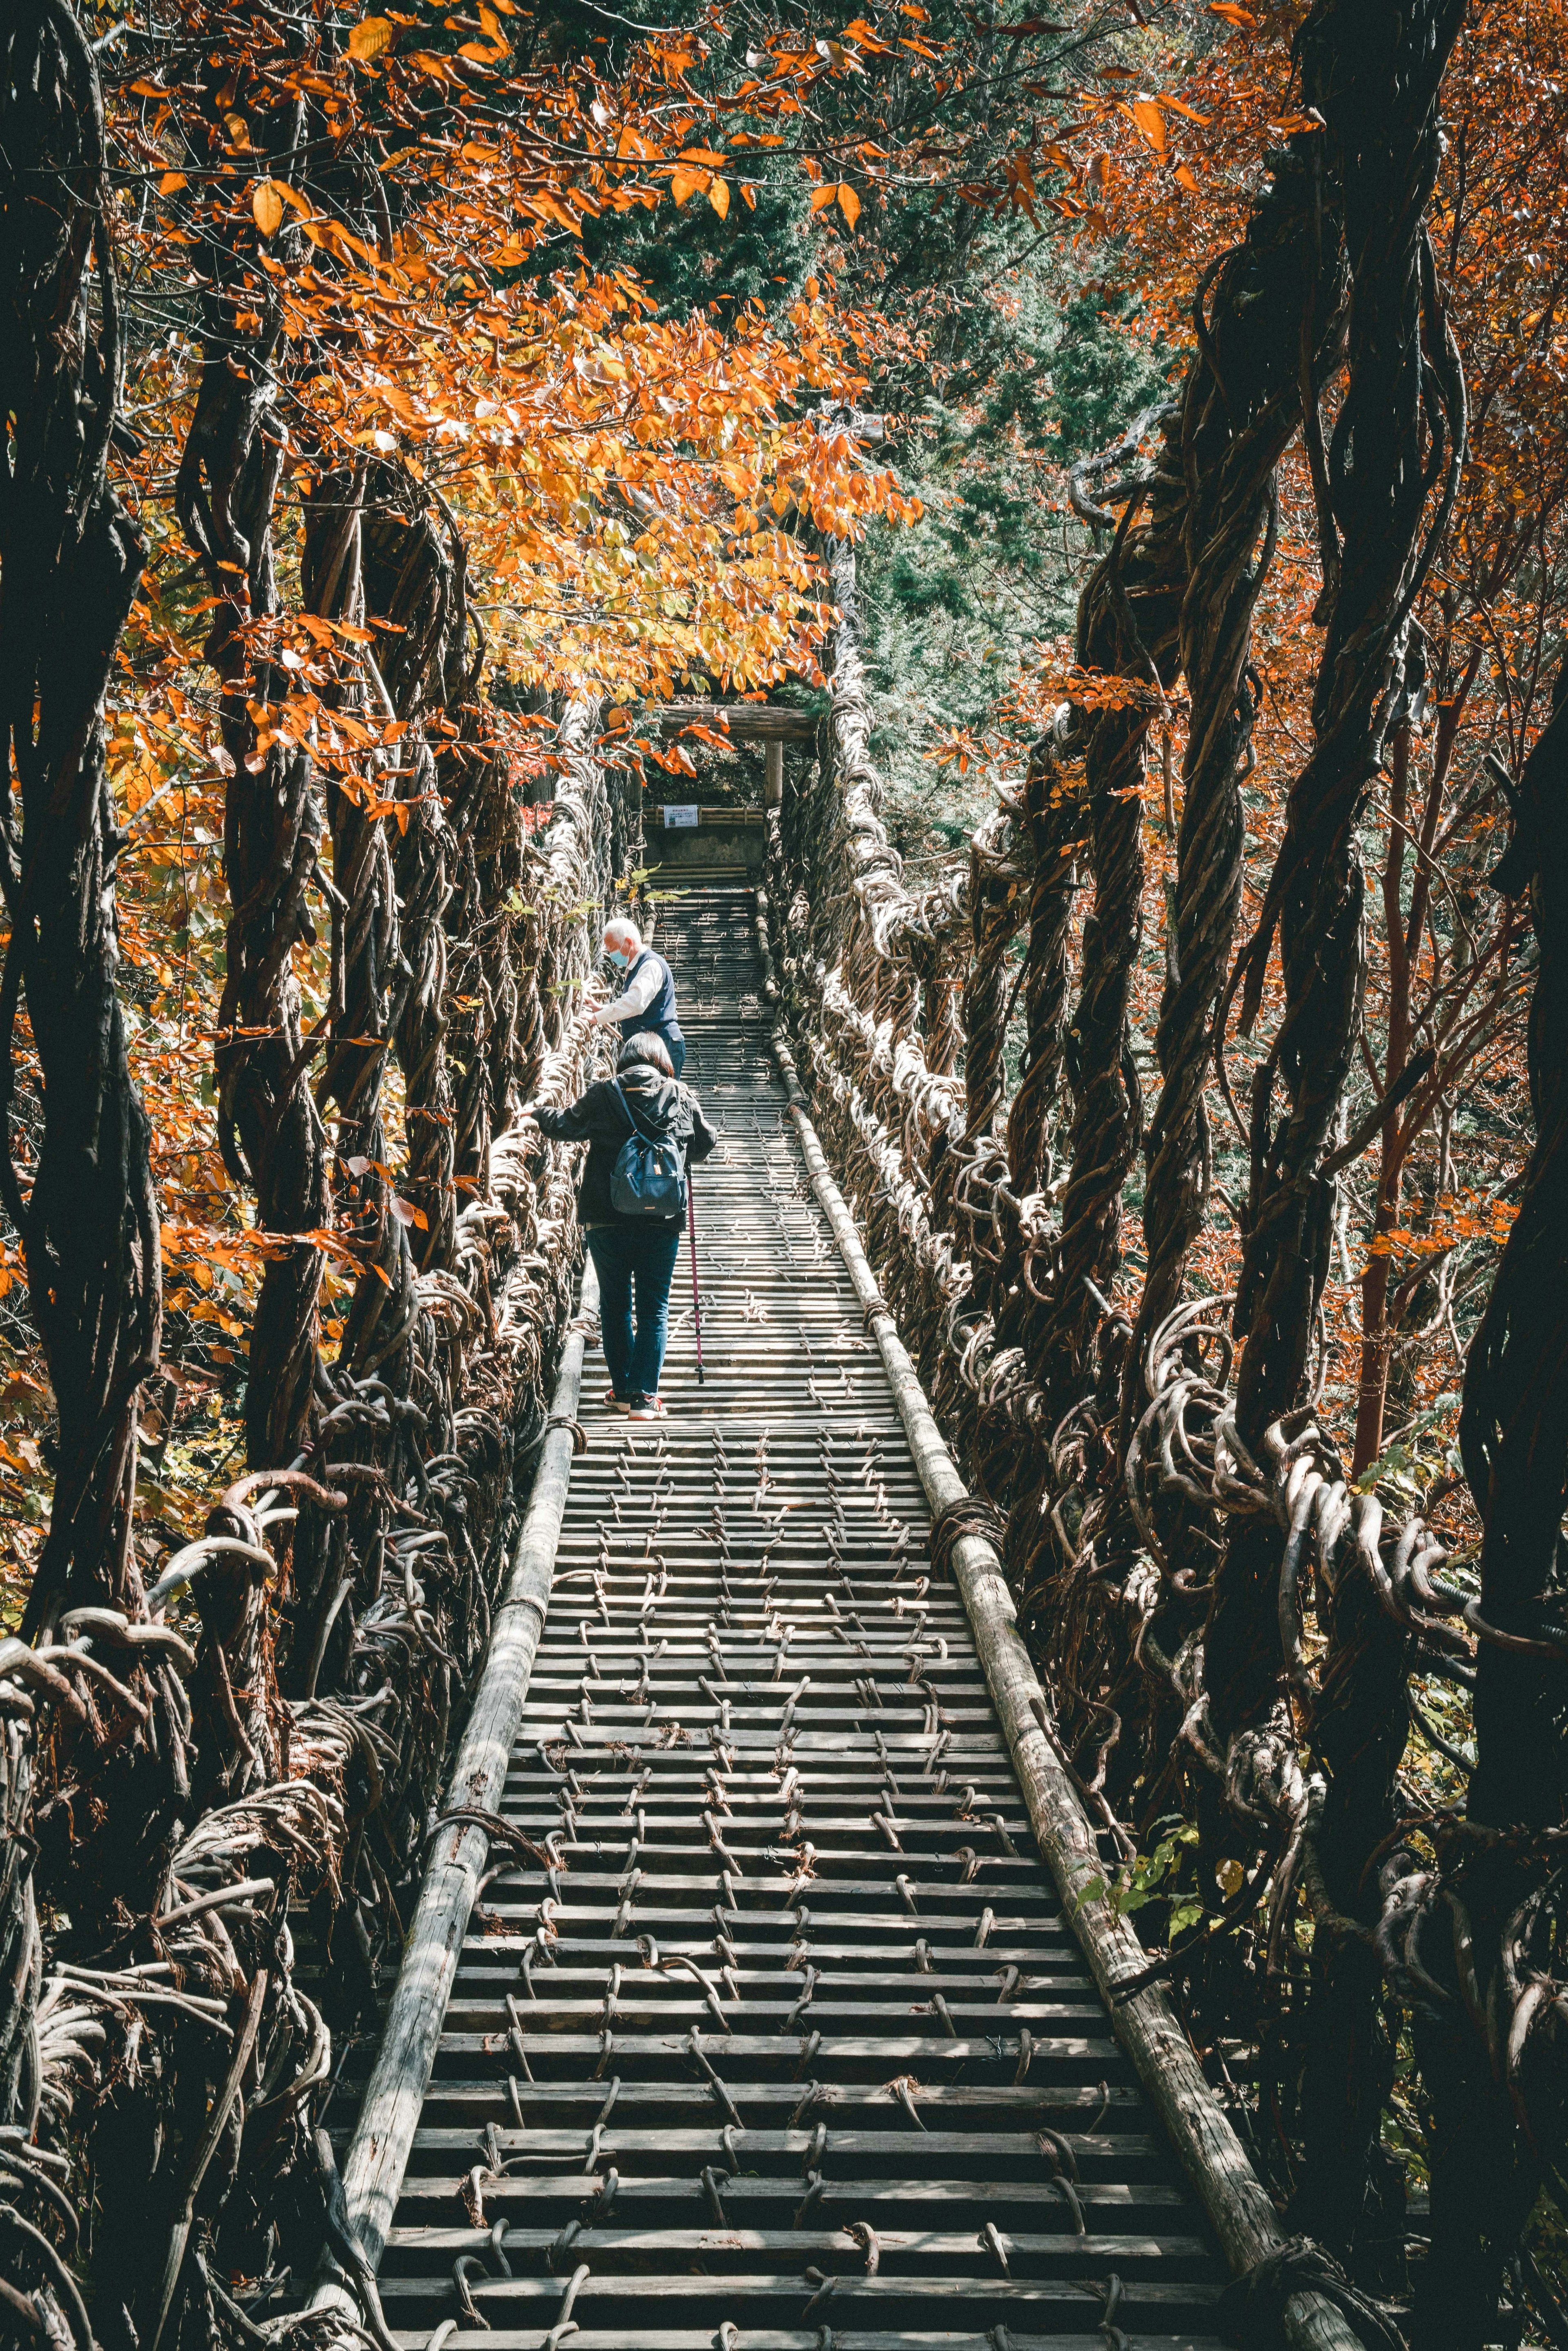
(613, 955)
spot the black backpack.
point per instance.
(649, 1176)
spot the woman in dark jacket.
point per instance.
(634, 1257)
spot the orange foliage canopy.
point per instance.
(407, 286)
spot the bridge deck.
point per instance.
(793, 2047)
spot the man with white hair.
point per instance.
(646, 1003)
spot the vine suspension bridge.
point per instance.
(767, 2029)
(491, 1872)
(767, 1986)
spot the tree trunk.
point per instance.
(1127, 623)
(1275, 328)
(1513, 1433)
(70, 560)
(269, 1132)
(1399, 433)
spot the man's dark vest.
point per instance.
(660, 1017)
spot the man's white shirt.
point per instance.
(637, 995)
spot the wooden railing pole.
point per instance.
(373, 2172)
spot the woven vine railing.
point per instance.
(1231, 1630)
(278, 1708)
(1123, 1476)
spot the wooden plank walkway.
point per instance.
(785, 2044)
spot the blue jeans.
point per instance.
(639, 1266)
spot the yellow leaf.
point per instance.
(749, 193)
(370, 37)
(1149, 122)
(1186, 178)
(848, 203)
(686, 183)
(719, 196)
(267, 207)
(169, 181)
(821, 198)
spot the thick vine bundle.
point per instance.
(1234, 1628)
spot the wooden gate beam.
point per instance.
(744, 722)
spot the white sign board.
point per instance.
(678, 816)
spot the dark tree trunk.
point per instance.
(414, 583)
(1398, 438)
(268, 1128)
(1504, 1891)
(1054, 825)
(1127, 624)
(86, 1213)
(1275, 320)
(1399, 430)
(69, 562)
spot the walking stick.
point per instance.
(696, 1302)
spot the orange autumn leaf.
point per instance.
(1149, 122)
(267, 207)
(370, 36)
